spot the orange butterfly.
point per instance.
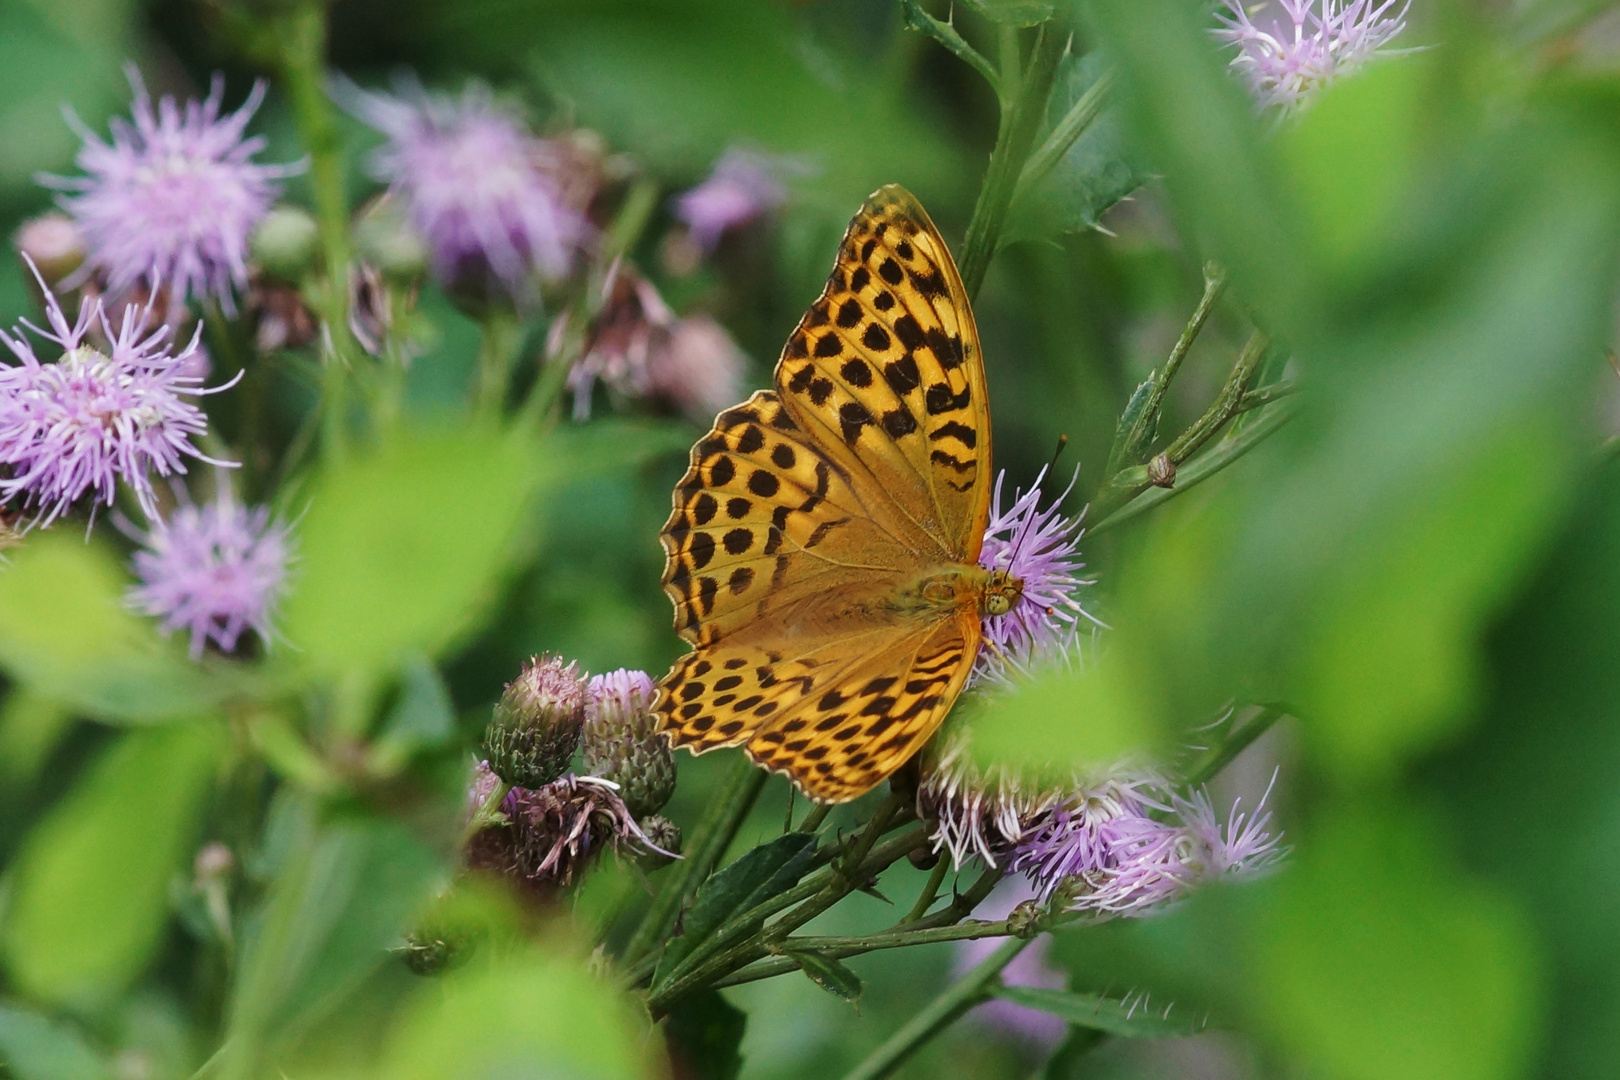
(822, 552)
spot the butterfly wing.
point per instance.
(838, 716)
(885, 368)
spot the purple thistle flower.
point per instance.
(977, 813)
(81, 423)
(1312, 43)
(477, 185)
(174, 196)
(744, 185)
(1041, 549)
(1039, 1030)
(1130, 844)
(215, 571)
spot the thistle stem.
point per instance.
(302, 34)
(1023, 92)
(502, 343)
(938, 1014)
(930, 892)
(709, 842)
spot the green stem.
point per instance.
(938, 1014)
(487, 813)
(709, 842)
(1200, 469)
(302, 36)
(812, 821)
(1023, 92)
(1234, 744)
(1140, 435)
(930, 891)
(497, 356)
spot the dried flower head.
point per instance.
(1306, 44)
(552, 832)
(80, 424)
(633, 324)
(174, 196)
(744, 185)
(621, 741)
(536, 725)
(700, 369)
(481, 189)
(214, 571)
(1042, 549)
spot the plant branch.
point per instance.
(938, 1014)
(944, 33)
(1023, 92)
(1236, 741)
(1201, 469)
(302, 37)
(709, 842)
(930, 891)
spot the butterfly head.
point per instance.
(1002, 592)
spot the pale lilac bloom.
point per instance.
(700, 369)
(1041, 1031)
(744, 185)
(78, 425)
(214, 571)
(978, 813)
(1309, 44)
(174, 196)
(476, 183)
(1131, 844)
(1040, 548)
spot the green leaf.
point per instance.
(344, 893)
(1096, 172)
(1131, 1019)
(1014, 12)
(1549, 742)
(529, 1014)
(35, 1047)
(422, 718)
(91, 890)
(1068, 1061)
(705, 1033)
(1372, 932)
(400, 551)
(66, 633)
(754, 877)
(831, 975)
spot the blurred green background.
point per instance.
(1424, 568)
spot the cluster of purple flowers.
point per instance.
(1123, 843)
(1312, 42)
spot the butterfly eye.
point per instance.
(997, 604)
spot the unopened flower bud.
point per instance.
(387, 240)
(286, 242)
(1162, 471)
(428, 952)
(666, 836)
(535, 730)
(55, 244)
(622, 743)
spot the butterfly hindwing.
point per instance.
(885, 368)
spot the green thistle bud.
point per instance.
(389, 242)
(664, 834)
(535, 730)
(622, 743)
(286, 242)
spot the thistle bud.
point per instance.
(665, 836)
(286, 242)
(1162, 471)
(535, 730)
(386, 240)
(622, 743)
(55, 244)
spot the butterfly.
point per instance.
(822, 551)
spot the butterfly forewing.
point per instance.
(885, 367)
(808, 511)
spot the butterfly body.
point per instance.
(822, 551)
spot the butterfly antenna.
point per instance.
(1050, 470)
